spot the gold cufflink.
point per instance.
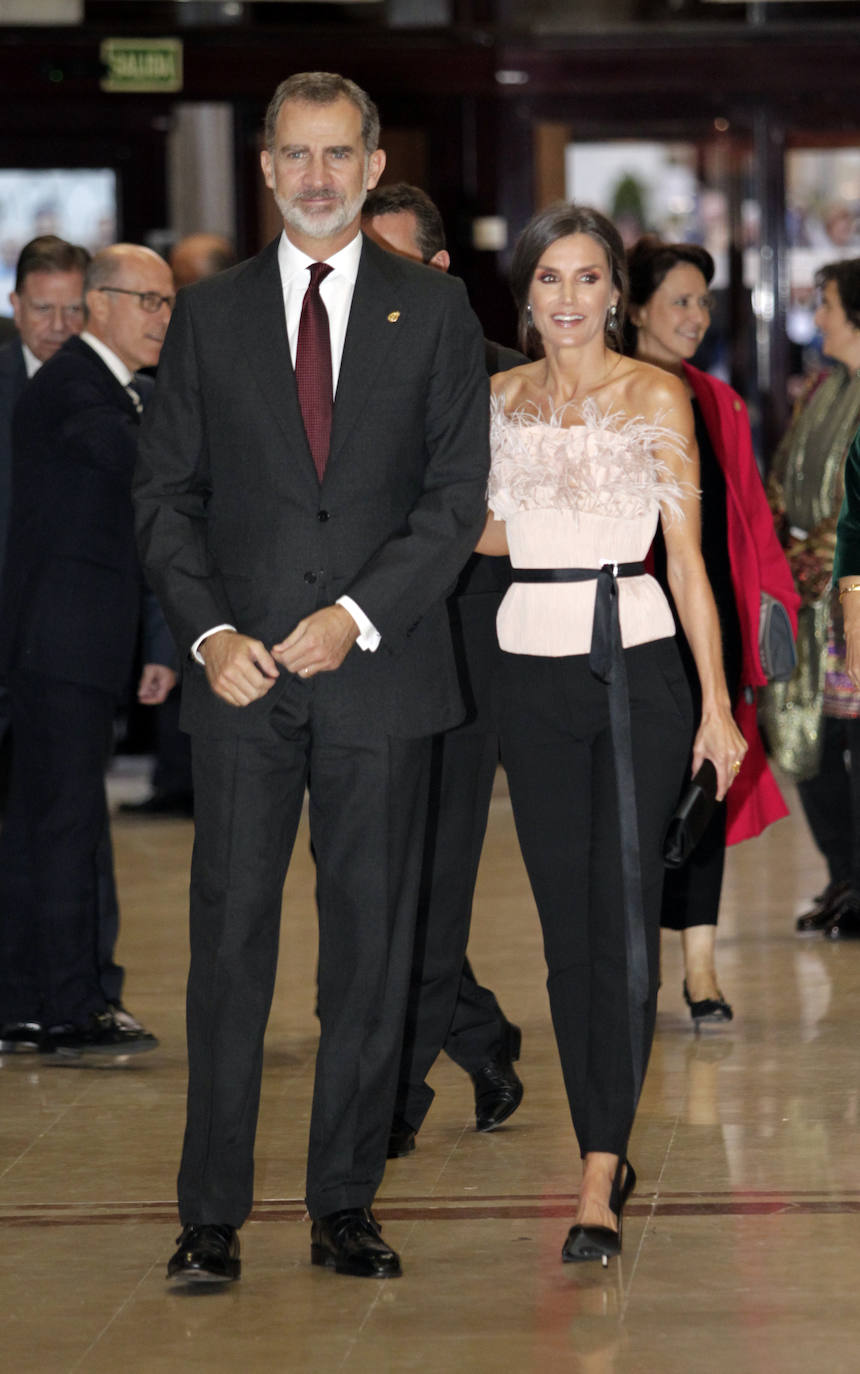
(394, 317)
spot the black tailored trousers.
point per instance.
(559, 757)
(448, 1008)
(831, 800)
(55, 860)
(367, 815)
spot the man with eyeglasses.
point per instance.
(69, 617)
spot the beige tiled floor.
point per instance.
(741, 1244)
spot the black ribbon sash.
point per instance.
(606, 661)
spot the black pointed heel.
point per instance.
(710, 1011)
(600, 1242)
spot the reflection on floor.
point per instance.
(740, 1249)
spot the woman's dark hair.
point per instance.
(846, 275)
(559, 221)
(649, 262)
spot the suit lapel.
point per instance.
(371, 337)
(112, 382)
(261, 326)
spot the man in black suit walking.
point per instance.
(302, 548)
(68, 627)
(448, 1008)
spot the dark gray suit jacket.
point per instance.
(235, 527)
(13, 379)
(72, 584)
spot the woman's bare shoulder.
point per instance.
(652, 391)
(513, 384)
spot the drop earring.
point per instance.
(530, 319)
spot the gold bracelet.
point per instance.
(854, 587)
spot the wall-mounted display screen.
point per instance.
(78, 204)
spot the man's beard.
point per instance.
(321, 224)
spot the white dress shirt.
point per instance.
(31, 362)
(107, 355)
(336, 291)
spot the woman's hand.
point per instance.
(719, 739)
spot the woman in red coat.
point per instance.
(670, 311)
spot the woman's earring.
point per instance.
(530, 319)
(612, 318)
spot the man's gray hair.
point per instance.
(323, 88)
(103, 269)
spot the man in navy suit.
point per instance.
(307, 585)
(68, 627)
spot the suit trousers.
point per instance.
(448, 1008)
(111, 974)
(52, 852)
(559, 756)
(367, 814)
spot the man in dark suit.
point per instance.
(448, 1009)
(192, 259)
(68, 626)
(303, 552)
(48, 305)
(48, 308)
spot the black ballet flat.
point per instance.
(710, 1011)
(600, 1242)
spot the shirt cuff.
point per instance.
(195, 647)
(369, 637)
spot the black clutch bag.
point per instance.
(691, 817)
(776, 647)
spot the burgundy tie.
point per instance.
(313, 368)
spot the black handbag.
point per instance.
(776, 648)
(692, 814)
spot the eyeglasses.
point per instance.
(150, 301)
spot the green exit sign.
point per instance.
(142, 64)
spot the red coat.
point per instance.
(757, 564)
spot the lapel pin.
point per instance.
(394, 317)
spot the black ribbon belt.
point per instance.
(606, 661)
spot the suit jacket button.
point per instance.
(322, 516)
(310, 577)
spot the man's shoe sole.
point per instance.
(68, 1054)
(202, 1276)
(499, 1121)
(324, 1258)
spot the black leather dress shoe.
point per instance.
(401, 1141)
(349, 1242)
(824, 908)
(102, 1034)
(845, 925)
(16, 1036)
(206, 1254)
(162, 805)
(498, 1088)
